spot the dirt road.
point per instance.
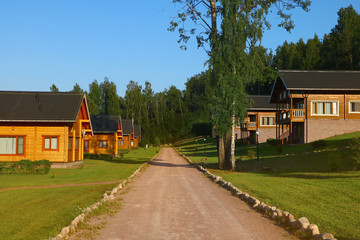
(172, 200)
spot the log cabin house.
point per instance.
(260, 117)
(312, 105)
(137, 135)
(128, 134)
(107, 135)
(43, 125)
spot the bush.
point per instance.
(98, 156)
(273, 142)
(279, 149)
(318, 144)
(251, 153)
(25, 166)
(355, 147)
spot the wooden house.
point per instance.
(107, 135)
(260, 118)
(137, 135)
(312, 105)
(43, 125)
(128, 134)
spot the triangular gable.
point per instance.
(278, 86)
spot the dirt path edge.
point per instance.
(301, 227)
(66, 231)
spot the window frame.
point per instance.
(102, 141)
(50, 137)
(263, 125)
(17, 145)
(353, 101)
(324, 101)
(121, 141)
(88, 145)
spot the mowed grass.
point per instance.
(299, 180)
(92, 171)
(42, 212)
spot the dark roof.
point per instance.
(260, 102)
(137, 130)
(40, 106)
(127, 126)
(321, 80)
(105, 123)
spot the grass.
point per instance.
(299, 180)
(93, 171)
(41, 213)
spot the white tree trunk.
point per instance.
(233, 144)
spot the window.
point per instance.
(121, 142)
(50, 143)
(102, 144)
(354, 107)
(76, 144)
(267, 121)
(12, 145)
(86, 145)
(324, 108)
(70, 143)
(132, 143)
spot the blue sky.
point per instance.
(76, 41)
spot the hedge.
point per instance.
(25, 166)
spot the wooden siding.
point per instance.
(34, 133)
(343, 105)
(111, 140)
(33, 147)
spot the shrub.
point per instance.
(251, 153)
(273, 142)
(98, 156)
(318, 144)
(279, 149)
(25, 166)
(355, 147)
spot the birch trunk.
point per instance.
(233, 144)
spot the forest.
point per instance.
(173, 114)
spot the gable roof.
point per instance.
(105, 123)
(321, 80)
(19, 106)
(316, 81)
(137, 130)
(127, 126)
(260, 102)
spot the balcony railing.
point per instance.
(298, 114)
(252, 124)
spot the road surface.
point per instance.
(173, 200)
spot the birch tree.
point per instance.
(232, 56)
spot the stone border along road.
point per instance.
(173, 200)
(66, 231)
(300, 227)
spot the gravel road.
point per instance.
(173, 200)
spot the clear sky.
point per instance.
(76, 41)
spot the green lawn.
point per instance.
(42, 213)
(300, 181)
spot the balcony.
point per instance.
(294, 115)
(251, 126)
(297, 115)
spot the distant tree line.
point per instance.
(173, 114)
(338, 50)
